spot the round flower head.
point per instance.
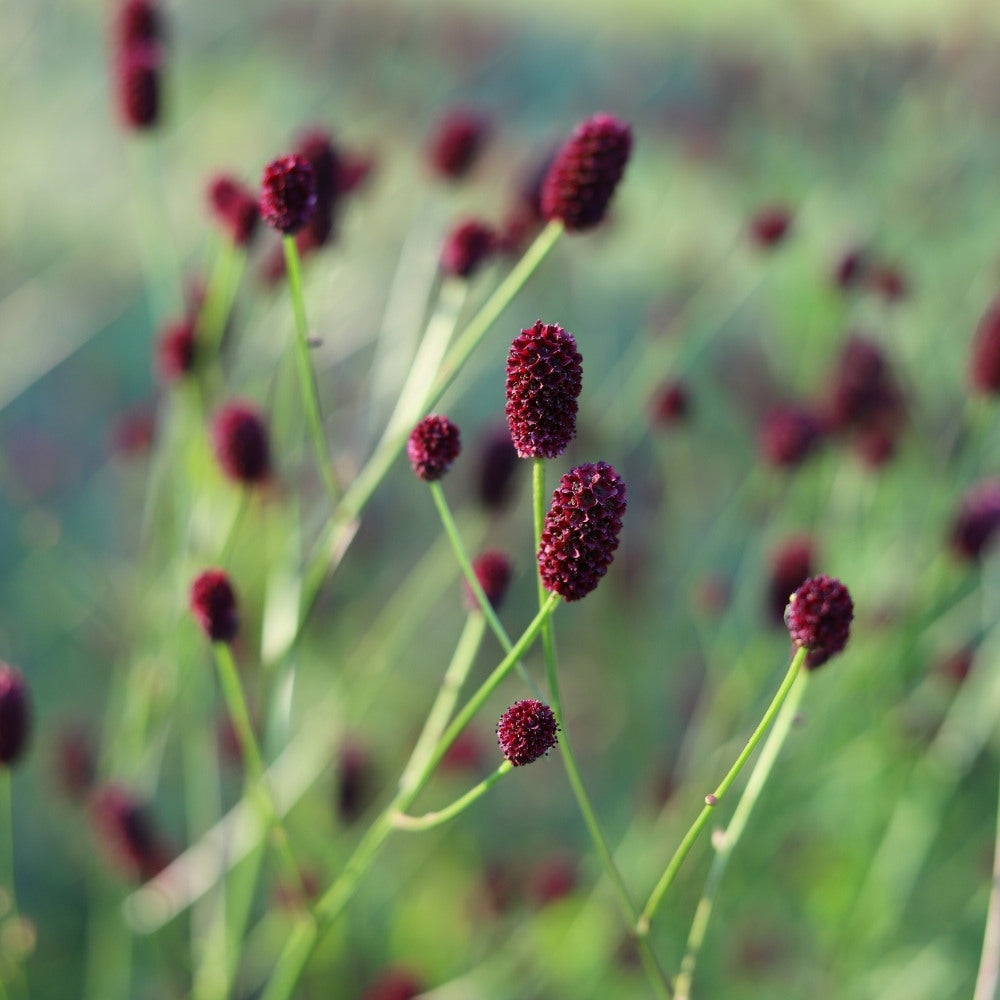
(770, 226)
(434, 444)
(235, 207)
(788, 435)
(138, 85)
(466, 247)
(15, 715)
(493, 571)
(863, 387)
(544, 379)
(819, 615)
(586, 171)
(671, 403)
(526, 731)
(213, 604)
(984, 368)
(241, 443)
(581, 530)
(175, 353)
(288, 193)
(456, 143)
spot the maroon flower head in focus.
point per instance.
(456, 142)
(493, 571)
(791, 565)
(586, 171)
(433, 446)
(544, 379)
(978, 519)
(788, 435)
(175, 354)
(819, 616)
(466, 247)
(288, 193)
(581, 530)
(15, 715)
(770, 226)
(984, 368)
(241, 443)
(235, 207)
(527, 731)
(213, 604)
(138, 85)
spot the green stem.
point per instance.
(18, 982)
(307, 377)
(230, 262)
(712, 800)
(441, 816)
(232, 690)
(724, 849)
(988, 977)
(485, 606)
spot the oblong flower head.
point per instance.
(138, 85)
(581, 530)
(15, 715)
(819, 617)
(984, 365)
(975, 526)
(456, 142)
(241, 443)
(586, 171)
(527, 731)
(288, 193)
(213, 604)
(176, 351)
(433, 446)
(235, 207)
(138, 22)
(788, 435)
(544, 379)
(466, 247)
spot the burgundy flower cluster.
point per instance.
(127, 833)
(493, 571)
(241, 443)
(433, 446)
(15, 715)
(235, 208)
(456, 142)
(138, 60)
(978, 519)
(213, 604)
(984, 367)
(819, 617)
(288, 193)
(469, 245)
(527, 731)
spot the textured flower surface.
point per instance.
(544, 379)
(288, 193)
(213, 604)
(469, 245)
(586, 171)
(526, 731)
(241, 443)
(433, 446)
(15, 714)
(493, 571)
(581, 530)
(819, 616)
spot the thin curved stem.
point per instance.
(988, 976)
(439, 817)
(713, 799)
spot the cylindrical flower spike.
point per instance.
(15, 715)
(978, 520)
(138, 84)
(138, 22)
(819, 616)
(241, 443)
(213, 604)
(467, 247)
(288, 193)
(456, 142)
(544, 379)
(788, 435)
(527, 731)
(984, 368)
(586, 171)
(581, 530)
(493, 571)
(433, 446)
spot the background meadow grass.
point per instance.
(877, 126)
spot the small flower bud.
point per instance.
(770, 226)
(978, 519)
(288, 193)
(127, 832)
(819, 615)
(138, 73)
(15, 715)
(235, 208)
(581, 530)
(671, 404)
(213, 604)
(526, 731)
(467, 247)
(456, 142)
(544, 379)
(586, 171)
(984, 368)
(175, 354)
(433, 446)
(788, 435)
(241, 443)
(493, 571)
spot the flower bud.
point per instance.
(433, 446)
(527, 731)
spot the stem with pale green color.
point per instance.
(439, 817)
(307, 377)
(713, 799)
(728, 841)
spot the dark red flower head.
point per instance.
(770, 226)
(527, 731)
(791, 565)
(235, 207)
(819, 616)
(138, 22)
(544, 379)
(396, 984)
(138, 85)
(671, 403)
(434, 445)
(241, 443)
(316, 146)
(493, 571)
(127, 832)
(978, 519)
(175, 352)
(586, 171)
(466, 247)
(288, 193)
(355, 781)
(456, 142)
(984, 369)
(863, 387)
(789, 434)
(581, 530)
(497, 467)
(213, 604)
(15, 715)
